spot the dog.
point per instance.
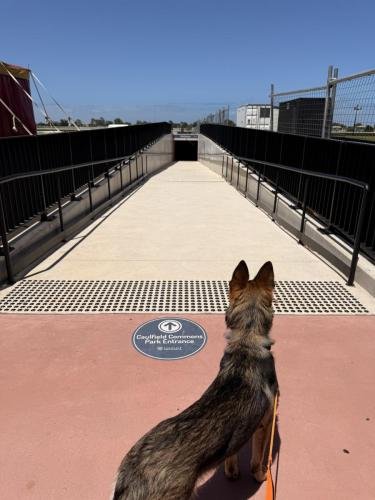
(167, 461)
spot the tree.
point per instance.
(97, 122)
(118, 121)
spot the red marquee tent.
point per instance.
(16, 109)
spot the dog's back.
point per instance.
(166, 463)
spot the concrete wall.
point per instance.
(329, 247)
(160, 154)
(210, 154)
(44, 237)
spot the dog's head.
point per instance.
(248, 297)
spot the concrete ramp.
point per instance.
(76, 393)
(185, 224)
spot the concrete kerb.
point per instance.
(42, 238)
(329, 247)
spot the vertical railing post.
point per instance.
(275, 199)
(136, 165)
(304, 205)
(92, 166)
(333, 199)
(43, 215)
(258, 189)
(332, 103)
(231, 172)
(247, 178)
(4, 239)
(107, 174)
(59, 202)
(226, 172)
(327, 102)
(302, 167)
(222, 167)
(357, 240)
(73, 194)
(238, 173)
(89, 188)
(272, 107)
(121, 178)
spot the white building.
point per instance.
(257, 116)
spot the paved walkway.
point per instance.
(75, 394)
(184, 223)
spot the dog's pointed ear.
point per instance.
(240, 277)
(265, 275)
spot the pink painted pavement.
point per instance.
(75, 395)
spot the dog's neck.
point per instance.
(236, 336)
(249, 326)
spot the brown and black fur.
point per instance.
(167, 461)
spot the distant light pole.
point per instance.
(356, 109)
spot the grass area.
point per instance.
(356, 137)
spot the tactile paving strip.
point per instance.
(63, 296)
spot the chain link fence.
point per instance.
(342, 108)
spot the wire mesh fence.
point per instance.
(301, 112)
(354, 109)
(220, 117)
(342, 108)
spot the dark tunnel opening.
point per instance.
(185, 150)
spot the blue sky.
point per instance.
(171, 59)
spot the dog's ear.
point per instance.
(240, 277)
(265, 275)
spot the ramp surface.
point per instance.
(186, 224)
(75, 393)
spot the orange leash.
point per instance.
(270, 489)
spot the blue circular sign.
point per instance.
(169, 338)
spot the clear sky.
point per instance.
(150, 59)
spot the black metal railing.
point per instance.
(38, 173)
(23, 198)
(336, 204)
(307, 175)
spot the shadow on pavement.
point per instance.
(217, 487)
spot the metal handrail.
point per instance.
(310, 173)
(120, 161)
(57, 170)
(248, 162)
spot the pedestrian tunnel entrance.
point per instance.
(185, 147)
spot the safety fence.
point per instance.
(337, 204)
(344, 107)
(220, 117)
